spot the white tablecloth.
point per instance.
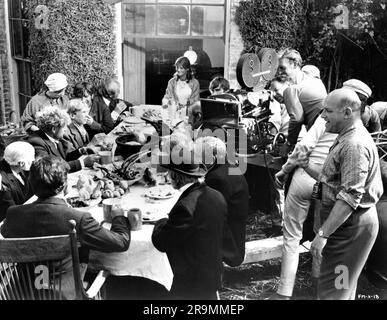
(142, 259)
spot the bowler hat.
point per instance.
(181, 158)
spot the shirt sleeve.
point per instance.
(169, 92)
(374, 122)
(275, 117)
(314, 134)
(28, 117)
(295, 111)
(354, 164)
(195, 96)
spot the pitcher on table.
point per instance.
(182, 91)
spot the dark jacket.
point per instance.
(114, 103)
(13, 192)
(192, 237)
(49, 217)
(103, 122)
(235, 190)
(75, 137)
(44, 146)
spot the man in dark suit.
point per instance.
(50, 215)
(110, 91)
(106, 108)
(234, 188)
(192, 235)
(14, 185)
(76, 133)
(49, 140)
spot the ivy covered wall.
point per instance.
(271, 23)
(74, 37)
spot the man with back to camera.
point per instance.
(192, 235)
(49, 215)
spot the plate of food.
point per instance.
(149, 217)
(133, 120)
(160, 192)
(79, 202)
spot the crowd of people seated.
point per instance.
(329, 148)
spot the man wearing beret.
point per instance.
(369, 116)
(56, 84)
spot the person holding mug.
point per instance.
(182, 91)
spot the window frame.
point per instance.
(22, 58)
(190, 4)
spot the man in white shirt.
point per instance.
(316, 142)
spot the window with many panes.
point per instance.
(176, 18)
(19, 34)
(156, 32)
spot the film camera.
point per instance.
(243, 119)
(246, 113)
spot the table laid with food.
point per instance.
(144, 194)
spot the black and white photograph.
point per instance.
(192, 156)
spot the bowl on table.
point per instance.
(128, 145)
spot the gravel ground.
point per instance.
(258, 281)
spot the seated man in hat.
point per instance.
(56, 84)
(369, 116)
(50, 215)
(14, 185)
(192, 235)
(234, 188)
(49, 140)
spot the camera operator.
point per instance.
(303, 98)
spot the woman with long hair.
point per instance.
(182, 91)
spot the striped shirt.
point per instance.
(351, 171)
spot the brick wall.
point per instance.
(236, 47)
(5, 88)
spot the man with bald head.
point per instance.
(350, 183)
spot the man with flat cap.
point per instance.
(369, 116)
(192, 235)
(351, 185)
(56, 84)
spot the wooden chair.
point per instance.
(380, 139)
(32, 268)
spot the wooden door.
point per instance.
(134, 70)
